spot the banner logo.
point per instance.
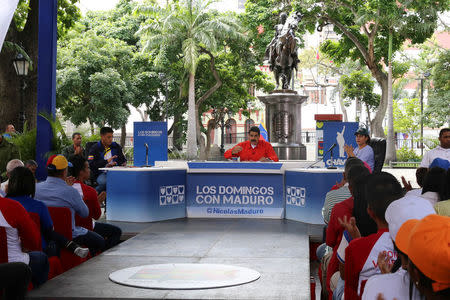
(171, 194)
(295, 196)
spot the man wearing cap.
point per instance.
(55, 192)
(441, 151)
(364, 152)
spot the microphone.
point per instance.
(332, 147)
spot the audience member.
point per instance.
(12, 164)
(443, 207)
(56, 192)
(340, 193)
(22, 188)
(397, 213)
(105, 154)
(31, 165)
(434, 186)
(8, 151)
(334, 230)
(75, 148)
(364, 152)
(426, 242)
(14, 280)
(361, 255)
(22, 233)
(441, 151)
(9, 130)
(420, 177)
(80, 170)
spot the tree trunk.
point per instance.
(177, 132)
(10, 82)
(200, 139)
(390, 142)
(123, 136)
(377, 123)
(341, 103)
(191, 138)
(91, 125)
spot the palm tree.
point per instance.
(192, 29)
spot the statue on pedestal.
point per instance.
(281, 53)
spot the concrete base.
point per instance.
(278, 249)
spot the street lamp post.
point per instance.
(425, 75)
(21, 66)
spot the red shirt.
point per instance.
(248, 153)
(334, 235)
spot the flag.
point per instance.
(263, 132)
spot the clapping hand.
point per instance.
(236, 150)
(383, 263)
(70, 180)
(406, 184)
(349, 150)
(350, 226)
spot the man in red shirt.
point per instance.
(255, 149)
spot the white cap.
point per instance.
(404, 209)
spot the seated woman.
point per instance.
(21, 188)
(364, 152)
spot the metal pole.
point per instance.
(421, 117)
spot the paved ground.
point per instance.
(278, 249)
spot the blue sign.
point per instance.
(146, 195)
(151, 137)
(305, 193)
(339, 133)
(234, 195)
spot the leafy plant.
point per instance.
(25, 142)
(405, 154)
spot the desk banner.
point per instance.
(235, 195)
(339, 133)
(154, 134)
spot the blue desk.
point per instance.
(234, 189)
(145, 194)
(305, 191)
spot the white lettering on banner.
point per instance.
(150, 133)
(337, 161)
(295, 196)
(171, 194)
(243, 195)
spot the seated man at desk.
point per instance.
(255, 149)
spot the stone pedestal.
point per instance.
(283, 122)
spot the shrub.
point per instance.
(406, 154)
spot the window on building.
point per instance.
(230, 132)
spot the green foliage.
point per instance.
(25, 143)
(438, 110)
(59, 139)
(407, 116)
(359, 86)
(405, 154)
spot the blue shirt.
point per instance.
(366, 154)
(55, 192)
(38, 207)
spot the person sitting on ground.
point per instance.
(426, 242)
(361, 255)
(80, 170)
(14, 280)
(434, 186)
(12, 164)
(335, 230)
(9, 131)
(398, 212)
(22, 186)
(442, 207)
(54, 191)
(22, 233)
(105, 154)
(441, 151)
(364, 152)
(8, 152)
(75, 148)
(255, 149)
(31, 165)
